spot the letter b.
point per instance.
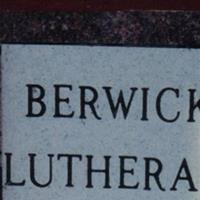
(38, 99)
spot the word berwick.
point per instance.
(89, 101)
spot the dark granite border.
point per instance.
(124, 28)
(98, 5)
(127, 28)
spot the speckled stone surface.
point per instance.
(140, 28)
(134, 28)
(122, 68)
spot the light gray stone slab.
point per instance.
(121, 68)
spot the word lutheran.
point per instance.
(89, 101)
(153, 169)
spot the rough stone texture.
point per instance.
(147, 28)
(121, 68)
(136, 28)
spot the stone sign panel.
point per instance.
(100, 122)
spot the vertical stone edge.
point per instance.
(1, 169)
